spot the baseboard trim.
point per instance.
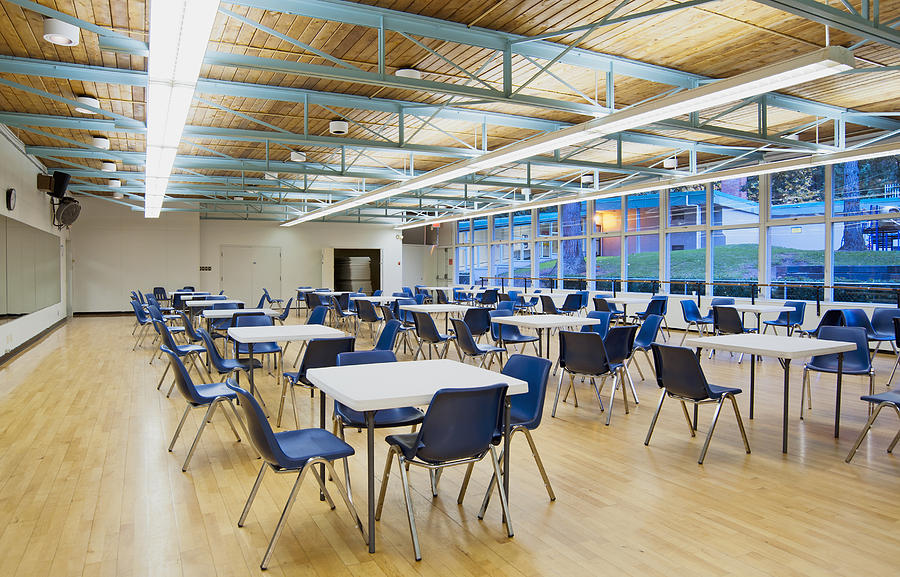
(104, 314)
(31, 342)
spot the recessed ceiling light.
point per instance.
(409, 73)
(108, 166)
(298, 156)
(339, 127)
(87, 101)
(100, 142)
(61, 33)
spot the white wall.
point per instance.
(33, 208)
(116, 250)
(414, 257)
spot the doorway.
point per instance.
(247, 270)
(356, 268)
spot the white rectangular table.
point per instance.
(541, 322)
(625, 301)
(446, 309)
(213, 314)
(759, 310)
(199, 304)
(381, 299)
(368, 388)
(785, 349)
(279, 334)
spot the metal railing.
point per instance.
(698, 288)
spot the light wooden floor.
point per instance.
(88, 488)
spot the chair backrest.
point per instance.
(183, 381)
(583, 353)
(858, 318)
(365, 358)
(648, 331)
(388, 337)
(601, 305)
(343, 300)
(535, 371)
(140, 297)
(721, 301)
(408, 292)
(377, 293)
(387, 313)
(506, 306)
(154, 313)
(420, 298)
(572, 302)
(336, 305)
(489, 297)
(458, 295)
(460, 423)
(464, 338)
(261, 434)
(855, 360)
(656, 306)
(404, 316)
(160, 293)
(678, 371)
(585, 298)
(727, 321)
(548, 306)
(226, 306)
(883, 319)
(151, 300)
(212, 352)
(831, 318)
(600, 329)
(188, 327)
(690, 311)
(317, 316)
(796, 316)
(478, 320)
(366, 311)
(323, 353)
(619, 343)
(400, 294)
(425, 328)
(664, 299)
(496, 328)
(287, 309)
(503, 297)
(262, 301)
(441, 297)
(189, 288)
(139, 312)
(254, 319)
(897, 331)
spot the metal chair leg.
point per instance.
(345, 495)
(409, 508)
(712, 428)
(384, 482)
(503, 501)
(865, 431)
(539, 463)
(252, 496)
(740, 422)
(612, 398)
(556, 398)
(206, 418)
(284, 515)
(465, 484)
(187, 410)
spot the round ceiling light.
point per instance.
(115, 183)
(61, 33)
(298, 156)
(339, 127)
(87, 101)
(100, 142)
(409, 73)
(671, 162)
(108, 166)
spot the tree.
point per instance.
(853, 233)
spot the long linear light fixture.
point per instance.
(818, 64)
(875, 151)
(179, 33)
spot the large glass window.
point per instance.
(499, 262)
(687, 261)
(521, 229)
(548, 224)
(687, 205)
(573, 217)
(735, 201)
(607, 215)
(480, 254)
(480, 230)
(866, 256)
(643, 211)
(735, 261)
(463, 269)
(501, 228)
(867, 186)
(574, 262)
(608, 261)
(521, 263)
(547, 260)
(642, 262)
(463, 227)
(798, 193)
(797, 261)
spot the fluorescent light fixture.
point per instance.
(87, 101)
(869, 152)
(61, 33)
(818, 64)
(179, 33)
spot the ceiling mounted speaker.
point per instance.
(587, 179)
(66, 212)
(339, 127)
(61, 33)
(298, 156)
(671, 162)
(108, 166)
(59, 184)
(409, 73)
(100, 142)
(114, 183)
(87, 101)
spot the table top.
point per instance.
(203, 303)
(285, 333)
(188, 293)
(439, 288)
(751, 308)
(628, 300)
(403, 384)
(378, 299)
(227, 313)
(448, 308)
(778, 346)
(546, 321)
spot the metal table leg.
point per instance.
(506, 431)
(837, 400)
(251, 371)
(370, 465)
(784, 421)
(752, 381)
(321, 472)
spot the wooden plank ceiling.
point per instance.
(716, 39)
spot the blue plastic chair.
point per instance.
(219, 327)
(896, 345)
(255, 320)
(319, 353)
(316, 317)
(881, 400)
(645, 337)
(222, 365)
(142, 320)
(420, 298)
(427, 334)
(883, 323)
(601, 304)
(856, 362)
(858, 318)
(459, 428)
(691, 314)
(504, 335)
(600, 329)
(377, 293)
(658, 305)
(572, 304)
(506, 306)
(582, 354)
(284, 312)
(202, 395)
(790, 320)
(271, 301)
(679, 375)
(289, 452)
(478, 320)
(466, 346)
(366, 313)
(718, 302)
(387, 340)
(168, 341)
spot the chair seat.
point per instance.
(176, 329)
(302, 445)
(182, 350)
(405, 442)
(485, 349)
(777, 323)
(259, 348)
(881, 336)
(885, 397)
(229, 365)
(442, 337)
(829, 365)
(396, 417)
(520, 338)
(210, 391)
(716, 391)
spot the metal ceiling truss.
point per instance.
(865, 22)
